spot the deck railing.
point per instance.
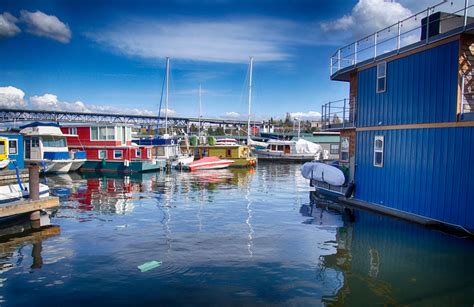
(338, 114)
(443, 19)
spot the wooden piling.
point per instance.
(34, 182)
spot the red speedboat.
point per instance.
(209, 163)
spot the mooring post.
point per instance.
(34, 182)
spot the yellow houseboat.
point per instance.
(239, 153)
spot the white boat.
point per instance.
(45, 145)
(13, 192)
(300, 150)
(208, 163)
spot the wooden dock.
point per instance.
(28, 206)
(8, 176)
(34, 204)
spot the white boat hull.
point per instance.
(323, 172)
(279, 155)
(4, 163)
(12, 192)
(52, 166)
(76, 164)
(183, 161)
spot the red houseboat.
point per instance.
(109, 148)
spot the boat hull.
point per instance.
(121, 167)
(11, 193)
(209, 163)
(51, 166)
(280, 156)
(76, 164)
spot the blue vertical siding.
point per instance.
(19, 158)
(421, 88)
(425, 172)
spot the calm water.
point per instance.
(224, 238)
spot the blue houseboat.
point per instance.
(14, 150)
(407, 127)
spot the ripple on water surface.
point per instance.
(224, 237)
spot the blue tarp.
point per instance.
(50, 155)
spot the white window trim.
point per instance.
(106, 133)
(9, 147)
(148, 153)
(343, 150)
(331, 148)
(376, 138)
(380, 77)
(98, 154)
(73, 130)
(121, 154)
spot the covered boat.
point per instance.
(300, 150)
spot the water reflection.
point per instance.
(385, 261)
(230, 237)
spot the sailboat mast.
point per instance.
(250, 100)
(200, 110)
(166, 97)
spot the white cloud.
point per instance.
(306, 115)
(41, 24)
(8, 26)
(171, 112)
(232, 115)
(11, 97)
(225, 41)
(51, 102)
(366, 17)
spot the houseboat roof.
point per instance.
(40, 124)
(436, 23)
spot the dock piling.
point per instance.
(34, 182)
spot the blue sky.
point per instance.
(109, 55)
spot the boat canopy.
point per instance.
(303, 146)
(39, 124)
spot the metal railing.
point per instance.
(339, 114)
(447, 17)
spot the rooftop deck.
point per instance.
(440, 21)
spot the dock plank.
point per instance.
(27, 206)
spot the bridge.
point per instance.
(18, 115)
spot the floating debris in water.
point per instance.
(150, 265)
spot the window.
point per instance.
(138, 153)
(110, 133)
(344, 149)
(51, 141)
(103, 133)
(13, 147)
(102, 154)
(94, 133)
(229, 153)
(148, 154)
(334, 149)
(378, 151)
(2, 148)
(118, 154)
(381, 77)
(73, 130)
(35, 142)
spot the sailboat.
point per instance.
(166, 148)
